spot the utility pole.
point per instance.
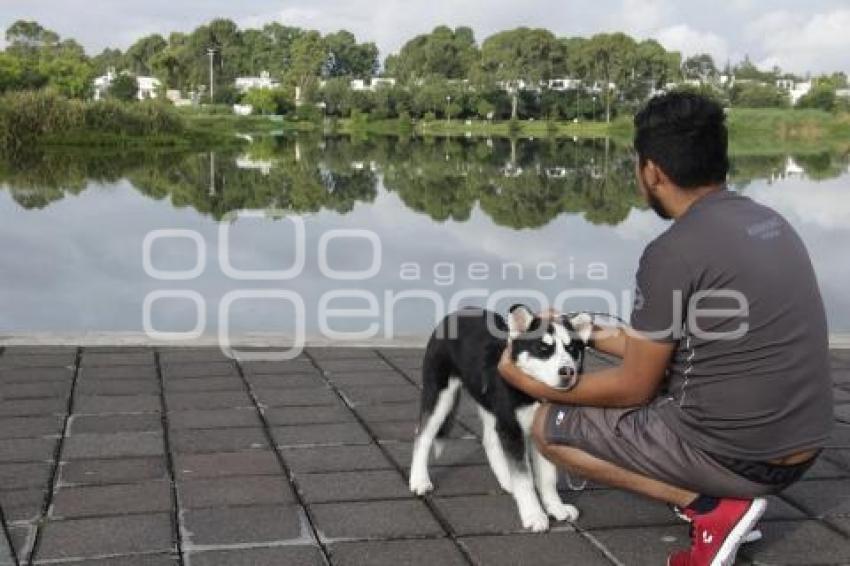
(211, 52)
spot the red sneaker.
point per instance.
(717, 535)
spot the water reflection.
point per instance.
(76, 265)
(518, 183)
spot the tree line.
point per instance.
(444, 74)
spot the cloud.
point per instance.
(689, 41)
(798, 42)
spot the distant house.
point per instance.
(244, 84)
(148, 87)
(795, 89)
(843, 93)
(564, 84)
(371, 84)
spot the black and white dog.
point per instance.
(464, 351)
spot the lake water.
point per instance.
(370, 239)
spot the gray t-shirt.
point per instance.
(749, 380)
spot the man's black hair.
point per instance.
(685, 135)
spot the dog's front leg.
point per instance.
(522, 488)
(546, 475)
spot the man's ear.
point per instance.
(652, 175)
(582, 323)
(519, 320)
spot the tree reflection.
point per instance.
(518, 183)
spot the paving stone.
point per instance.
(308, 415)
(375, 395)
(824, 469)
(222, 464)
(387, 519)
(341, 353)
(238, 490)
(464, 480)
(9, 361)
(269, 556)
(388, 413)
(299, 366)
(136, 358)
(30, 474)
(644, 545)
(143, 422)
(35, 390)
(289, 381)
(33, 407)
(797, 542)
(405, 431)
(840, 457)
(216, 418)
(205, 384)
(352, 486)
(113, 445)
(119, 373)
(456, 452)
(125, 470)
(177, 372)
(481, 514)
(821, 498)
(32, 375)
(7, 557)
(214, 400)
(148, 497)
(117, 387)
(320, 434)
(103, 404)
(393, 353)
(424, 552)
(839, 358)
(331, 367)
(27, 449)
(297, 397)
(128, 560)
(779, 509)
(22, 505)
(632, 510)
(22, 538)
(244, 525)
(218, 440)
(548, 549)
(367, 379)
(39, 350)
(335, 458)
(25, 427)
(127, 534)
(840, 437)
(176, 356)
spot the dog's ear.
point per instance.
(519, 320)
(582, 323)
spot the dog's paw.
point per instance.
(421, 486)
(538, 522)
(562, 511)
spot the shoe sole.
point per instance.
(729, 549)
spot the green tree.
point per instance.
(264, 100)
(821, 96)
(106, 60)
(308, 54)
(11, 72)
(700, 67)
(757, 95)
(451, 54)
(347, 58)
(124, 87)
(522, 55)
(139, 57)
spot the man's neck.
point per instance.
(686, 198)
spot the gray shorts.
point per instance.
(637, 439)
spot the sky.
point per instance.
(800, 37)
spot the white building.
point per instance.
(371, 84)
(564, 84)
(795, 89)
(148, 87)
(244, 84)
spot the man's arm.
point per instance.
(634, 382)
(609, 340)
